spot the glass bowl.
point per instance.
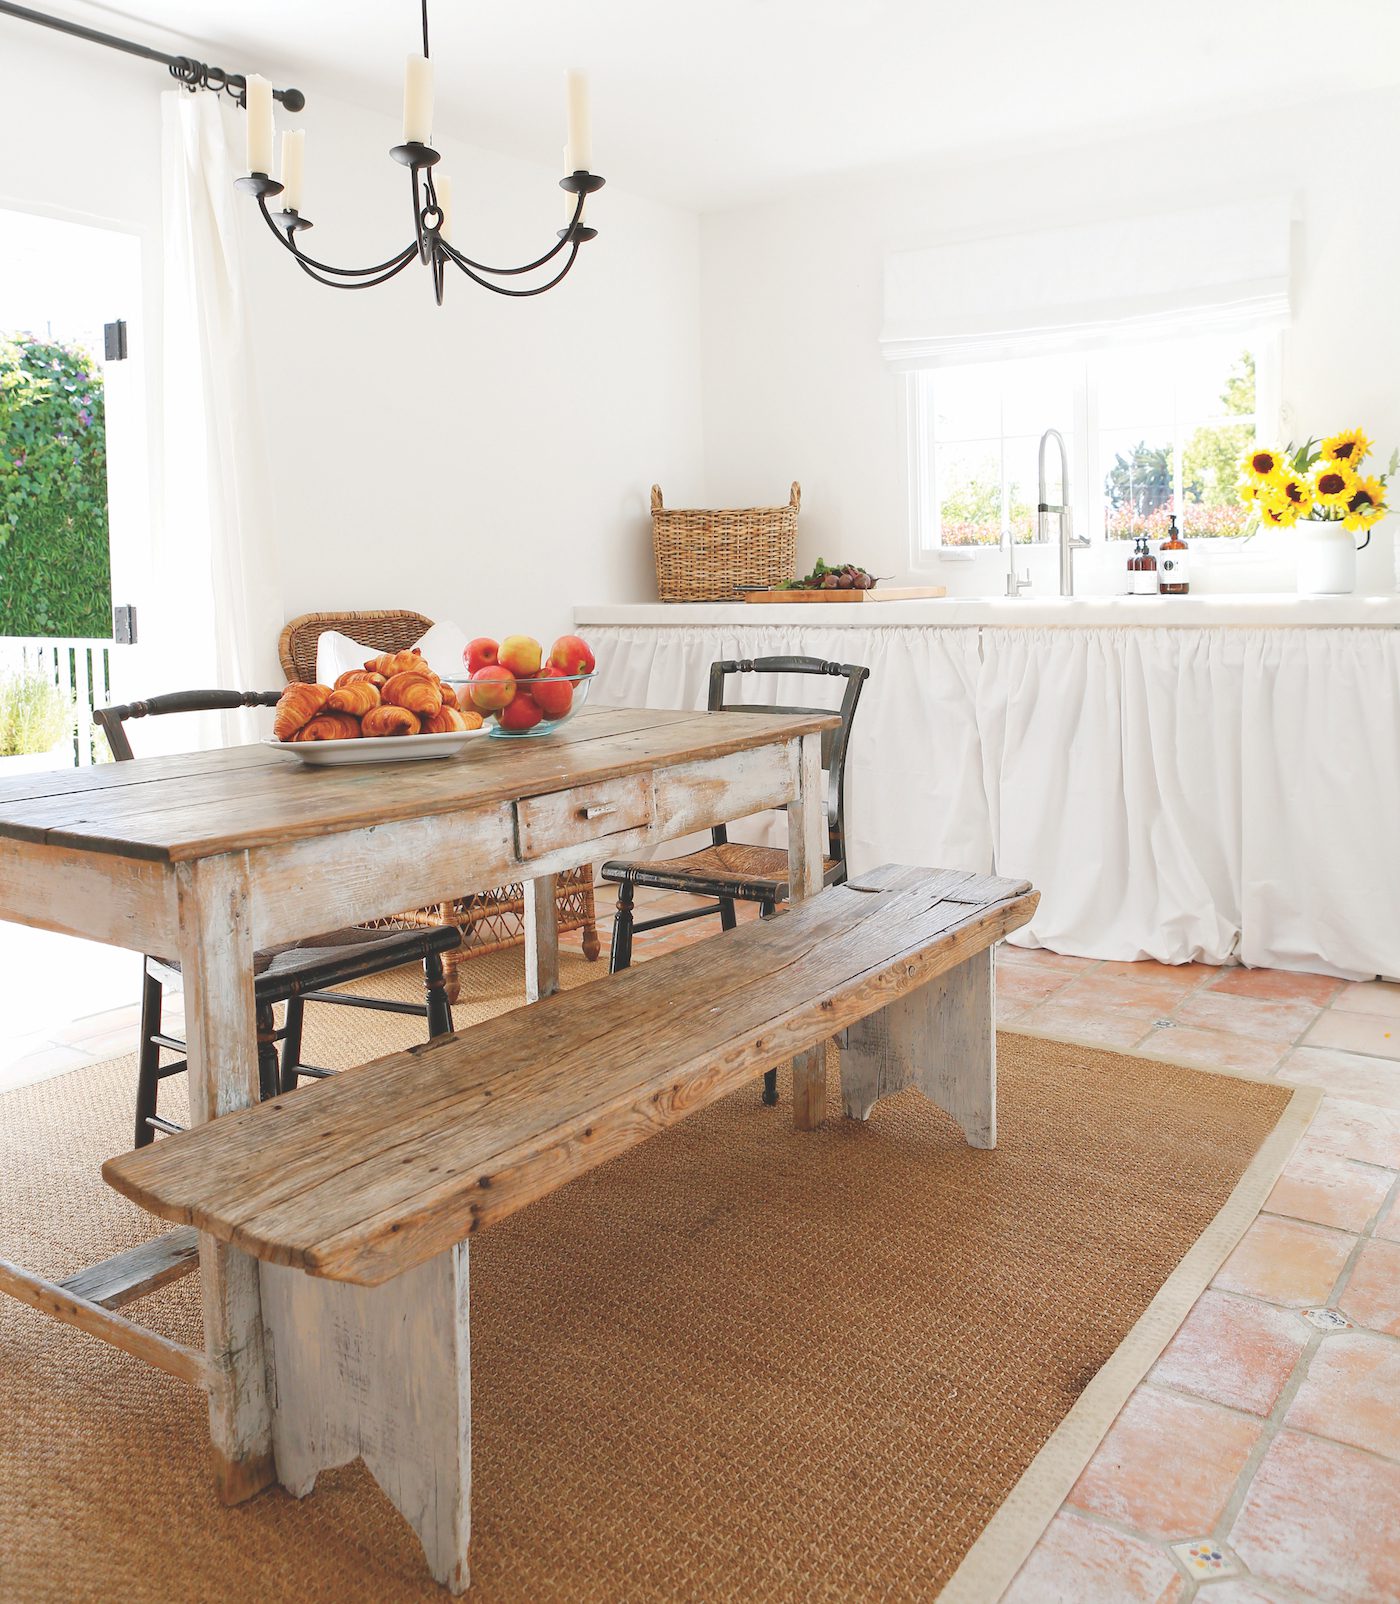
(544, 725)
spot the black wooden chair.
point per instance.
(294, 974)
(729, 871)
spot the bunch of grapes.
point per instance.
(843, 576)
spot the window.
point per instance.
(1150, 430)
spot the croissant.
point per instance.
(390, 721)
(330, 727)
(447, 720)
(297, 706)
(359, 676)
(418, 692)
(391, 663)
(356, 699)
(449, 695)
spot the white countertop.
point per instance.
(1279, 610)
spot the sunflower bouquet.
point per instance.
(1320, 481)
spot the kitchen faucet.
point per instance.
(1015, 583)
(1068, 539)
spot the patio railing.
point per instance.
(81, 669)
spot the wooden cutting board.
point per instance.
(887, 594)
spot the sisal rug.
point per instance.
(737, 1364)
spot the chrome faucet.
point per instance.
(1069, 541)
(1015, 583)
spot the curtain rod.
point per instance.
(193, 74)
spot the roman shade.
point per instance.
(1078, 285)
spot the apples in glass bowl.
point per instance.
(521, 691)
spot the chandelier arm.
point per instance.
(500, 289)
(465, 262)
(347, 284)
(288, 242)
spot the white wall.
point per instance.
(795, 386)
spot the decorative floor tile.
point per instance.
(1357, 1131)
(1328, 1190)
(1351, 1394)
(1363, 1078)
(1376, 1034)
(1206, 1560)
(1369, 997)
(1277, 1020)
(1279, 984)
(1326, 1320)
(1213, 1049)
(1079, 1562)
(1167, 1466)
(1232, 1351)
(1285, 1261)
(1320, 1519)
(1371, 1296)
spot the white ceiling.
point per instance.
(711, 103)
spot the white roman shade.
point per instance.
(1085, 284)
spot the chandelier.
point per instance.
(432, 194)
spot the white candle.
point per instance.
(578, 155)
(418, 101)
(293, 165)
(258, 95)
(443, 185)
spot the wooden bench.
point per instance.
(358, 1193)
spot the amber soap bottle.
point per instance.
(1175, 574)
(1142, 570)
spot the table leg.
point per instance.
(216, 960)
(805, 880)
(541, 938)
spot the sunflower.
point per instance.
(1250, 489)
(1277, 511)
(1349, 447)
(1293, 490)
(1333, 483)
(1263, 462)
(1365, 505)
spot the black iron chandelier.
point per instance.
(432, 195)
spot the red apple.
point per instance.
(553, 691)
(522, 655)
(480, 653)
(571, 655)
(521, 714)
(492, 688)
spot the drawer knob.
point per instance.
(597, 810)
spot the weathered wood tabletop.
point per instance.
(208, 855)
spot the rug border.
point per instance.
(1004, 1543)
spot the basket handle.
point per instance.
(656, 498)
(795, 498)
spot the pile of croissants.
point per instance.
(396, 694)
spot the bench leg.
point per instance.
(942, 1039)
(382, 1374)
(805, 871)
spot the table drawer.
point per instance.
(546, 824)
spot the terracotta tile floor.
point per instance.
(1259, 1461)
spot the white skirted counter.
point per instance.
(1208, 778)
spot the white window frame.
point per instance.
(926, 549)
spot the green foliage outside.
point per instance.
(34, 715)
(971, 515)
(55, 568)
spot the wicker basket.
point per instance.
(490, 920)
(705, 555)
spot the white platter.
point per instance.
(378, 748)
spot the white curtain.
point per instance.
(1178, 794)
(220, 607)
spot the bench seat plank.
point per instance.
(363, 1176)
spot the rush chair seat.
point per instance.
(295, 974)
(729, 871)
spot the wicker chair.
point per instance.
(489, 921)
(295, 974)
(729, 871)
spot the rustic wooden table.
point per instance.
(212, 854)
